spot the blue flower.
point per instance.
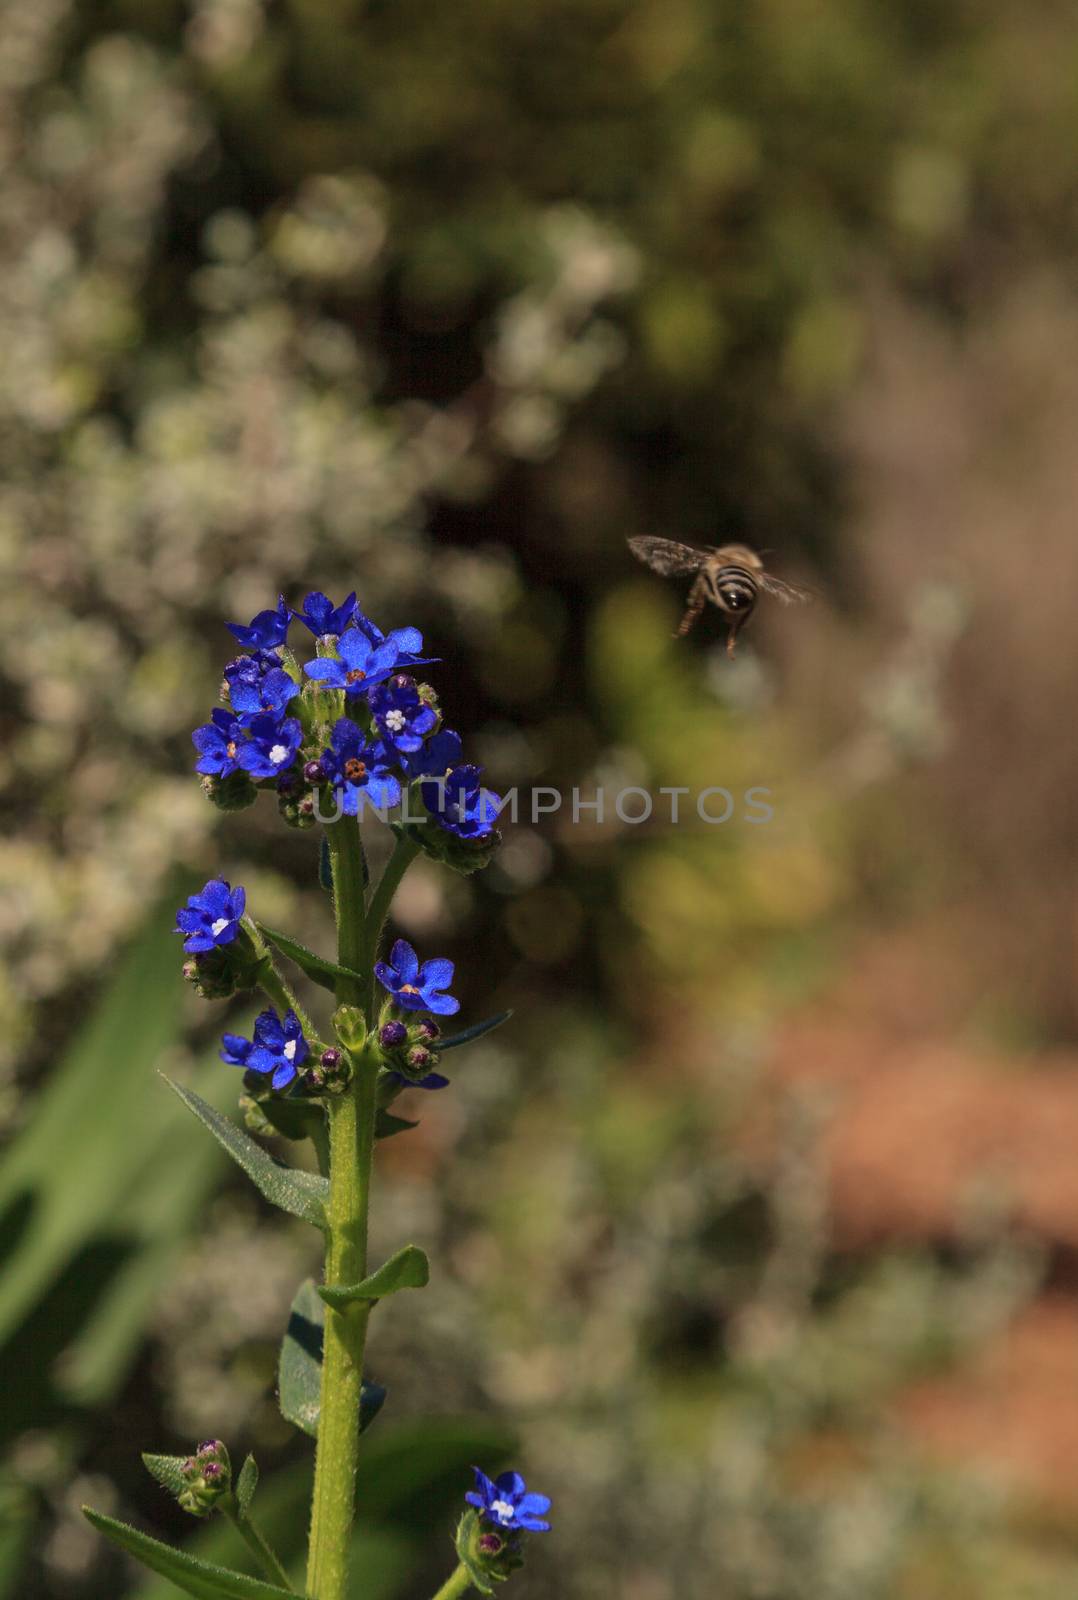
(278, 1047)
(408, 641)
(211, 917)
(271, 746)
(218, 743)
(416, 988)
(361, 665)
(264, 632)
(323, 618)
(433, 759)
(460, 804)
(507, 1503)
(253, 690)
(402, 718)
(358, 769)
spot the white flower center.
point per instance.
(219, 926)
(395, 721)
(502, 1510)
(278, 754)
(289, 1051)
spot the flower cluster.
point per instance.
(353, 721)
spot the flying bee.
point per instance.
(731, 576)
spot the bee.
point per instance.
(731, 576)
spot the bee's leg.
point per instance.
(731, 636)
(697, 601)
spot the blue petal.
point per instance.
(511, 1484)
(386, 976)
(323, 670)
(436, 974)
(443, 1005)
(405, 960)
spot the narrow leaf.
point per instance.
(386, 1125)
(302, 1194)
(408, 1269)
(299, 1373)
(325, 866)
(168, 1470)
(246, 1484)
(476, 1031)
(318, 968)
(202, 1579)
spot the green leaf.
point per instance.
(302, 1194)
(202, 1579)
(317, 968)
(386, 1125)
(168, 1470)
(246, 1484)
(408, 1269)
(476, 1031)
(299, 1372)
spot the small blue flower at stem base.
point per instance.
(264, 632)
(211, 917)
(402, 718)
(278, 1047)
(218, 743)
(323, 618)
(361, 665)
(507, 1503)
(272, 746)
(415, 987)
(358, 770)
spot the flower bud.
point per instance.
(350, 1026)
(314, 772)
(488, 1557)
(335, 1070)
(234, 793)
(427, 1030)
(207, 1476)
(420, 1059)
(391, 1035)
(296, 806)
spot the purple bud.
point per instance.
(331, 1059)
(314, 1079)
(306, 806)
(211, 1471)
(392, 1035)
(210, 1447)
(419, 1057)
(314, 772)
(428, 1030)
(489, 1544)
(190, 1467)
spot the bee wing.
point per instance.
(788, 593)
(667, 557)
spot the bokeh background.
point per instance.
(755, 1232)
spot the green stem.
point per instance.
(457, 1583)
(257, 1545)
(351, 1146)
(274, 986)
(404, 854)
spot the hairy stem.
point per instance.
(404, 853)
(457, 1583)
(257, 1545)
(351, 1144)
(273, 985)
